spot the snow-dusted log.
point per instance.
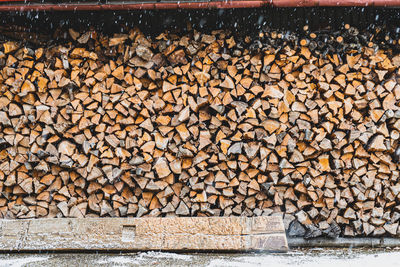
(265, 233)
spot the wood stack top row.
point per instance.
(203, 125)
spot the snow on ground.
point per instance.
(19, 262)
(295, 258)
(388, 259)
(143, 258)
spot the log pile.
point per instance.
(204, 125)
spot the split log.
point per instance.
(203, 125)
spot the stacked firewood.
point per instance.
(204, 125)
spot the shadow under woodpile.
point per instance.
(291, 112)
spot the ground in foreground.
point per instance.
(312, 257)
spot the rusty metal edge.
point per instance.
(132, 5)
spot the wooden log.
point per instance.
(133, 234)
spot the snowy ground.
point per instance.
(309, 258)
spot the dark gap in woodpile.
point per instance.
(196, 117)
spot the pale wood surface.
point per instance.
(167, 234)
